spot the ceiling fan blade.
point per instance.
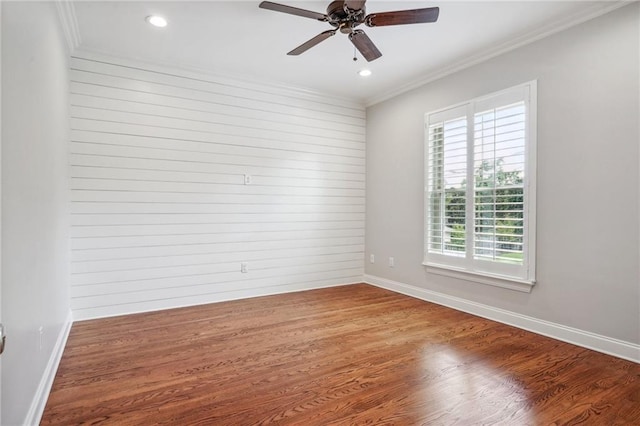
(364, 45)
(293, 11)
(310, 43)
(354, 4)
(401, 17)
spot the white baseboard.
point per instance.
(604, 344)
(221, 296)
(44, 387)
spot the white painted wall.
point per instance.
(161, 216)
(588, 205)
(35, 214)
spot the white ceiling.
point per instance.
(238, 39)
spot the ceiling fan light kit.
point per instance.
(346, 15)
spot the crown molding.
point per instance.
(69, 23)
(547, 30)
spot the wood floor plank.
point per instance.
(344, 355)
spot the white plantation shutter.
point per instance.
(479, 186)
(499, 151)
(445, 179)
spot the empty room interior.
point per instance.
(320, 212)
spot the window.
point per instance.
(480, 189)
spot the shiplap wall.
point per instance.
(161, 214)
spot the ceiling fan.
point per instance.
(346, 15)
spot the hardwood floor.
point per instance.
(345, 355)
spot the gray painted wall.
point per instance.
(34, 198)
(587, 187)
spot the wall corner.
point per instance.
(69, 24)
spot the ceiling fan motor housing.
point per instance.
(344, 18)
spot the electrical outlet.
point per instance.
(372, 258)
(392, 262)
(247, 179)
(243, 267)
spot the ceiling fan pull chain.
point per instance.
(355, 57)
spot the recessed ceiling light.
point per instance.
(364, 73)
(157, 21)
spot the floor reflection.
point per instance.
(458, 388)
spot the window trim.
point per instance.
(460, 270)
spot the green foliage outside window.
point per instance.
(498, 213)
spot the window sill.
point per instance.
(477, 277)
